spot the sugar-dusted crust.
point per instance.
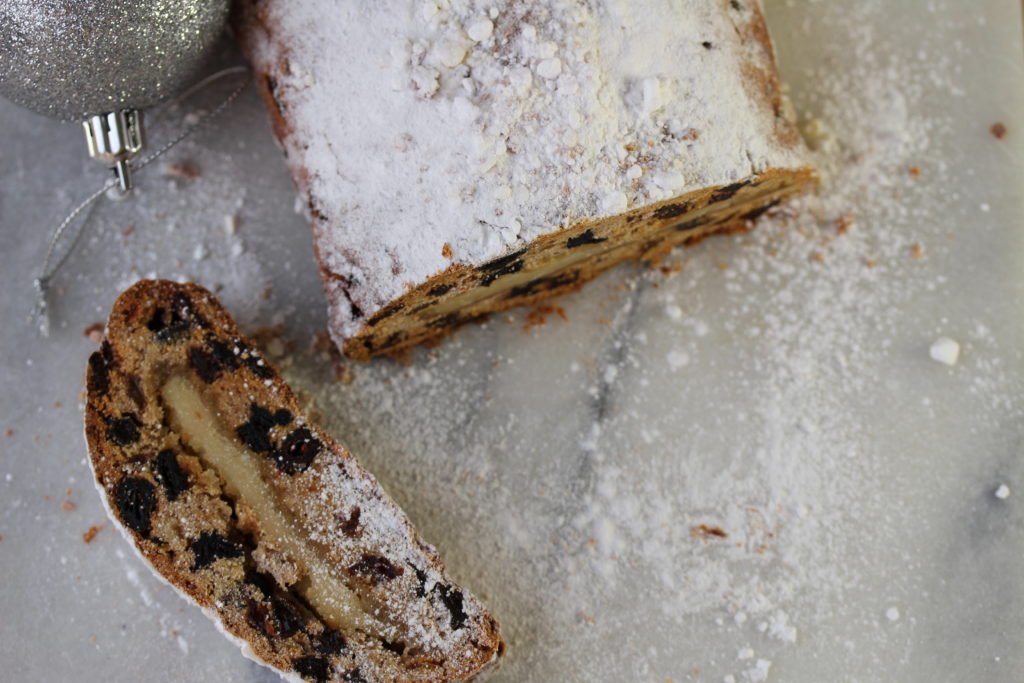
(192, 526)
(463, 157)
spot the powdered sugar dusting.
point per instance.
(742, 546)
(483, 124)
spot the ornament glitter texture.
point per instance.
(101, 61)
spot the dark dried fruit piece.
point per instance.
(376, 569)
(100, 363)
(671, 211)
(258, 616)
(350, 526)
(727, 192)
(136, 501)
(585, 237)
(169, 325)
(255, 433)
(124, 430)
(289, 618)
(298, 451)
(453, 601)
(170, 475)
(312, 668)
(210, 547)
(330, 642)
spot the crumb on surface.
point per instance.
(446, 250)
(185, 169)
(94, 332)
(1002, 492)
(90, 534)
(998, 130)
(539, 316)
(704, 531)
(945, 350)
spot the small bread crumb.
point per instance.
(91, 533)
(892, 614)
(94, 332)
(998, 130)
(1003, 492)
(945, 350)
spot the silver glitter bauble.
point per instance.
(71, 59)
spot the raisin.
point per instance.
(312, 668)
(585, 237)
(376, 569)
(689, 225)
(543, 283)
(397, 648)
(100, 363)
(513, 267)
(506, 265)
(289, 619)
(257, 615)
(133, 386)
(384, 314)
(502, 262)
(439, 290)
(707, 45)
(444, 321)
(282, 417)
(330, 642)
(298, 451)
(210, 547)
(170, 475)
(136, 501)
(421, 578)
(727, 192)
(205, 364)
(124, 430)
(453, 601)
(754, 214)
(170, 325)
(350, 526)
(255, 433)
(353, 676)
(670, 211)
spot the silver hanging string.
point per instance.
(46, 272)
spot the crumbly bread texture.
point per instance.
(205, 461)
(459, 157)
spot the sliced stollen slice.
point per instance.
(205, 461)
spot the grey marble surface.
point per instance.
(778, 387)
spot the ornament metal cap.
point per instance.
(114, 139)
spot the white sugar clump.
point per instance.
(1003, 492)
(892, 614)
(945, 350)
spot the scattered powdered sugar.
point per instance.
(637, 512)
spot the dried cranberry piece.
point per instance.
(136, 501)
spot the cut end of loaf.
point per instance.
(561, 261)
